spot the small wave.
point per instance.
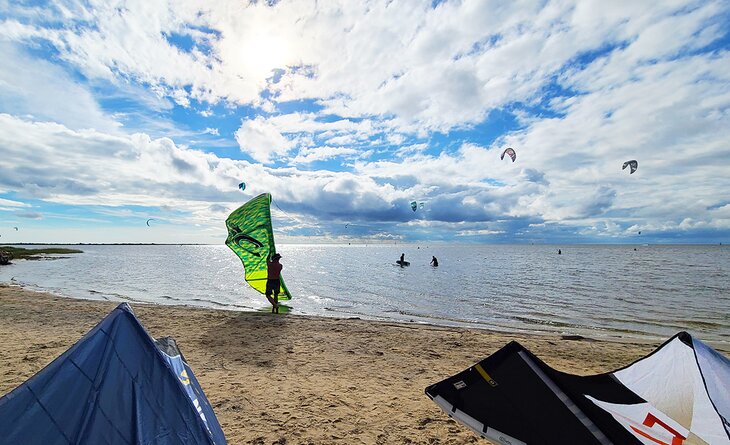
(168, 297)
(699, 324)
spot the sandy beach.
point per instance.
(298, 379)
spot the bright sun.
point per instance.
(264, 53)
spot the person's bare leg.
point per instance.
(272, 302)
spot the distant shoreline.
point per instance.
(10, 253)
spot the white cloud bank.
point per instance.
(431, 68)
(594, 84)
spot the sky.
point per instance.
(116, 112)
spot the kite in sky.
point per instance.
(510, 152)
(633, 164)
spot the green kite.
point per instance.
(251, 237)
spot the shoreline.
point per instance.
(299, 378)
(584, 332)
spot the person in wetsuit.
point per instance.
(434, 262)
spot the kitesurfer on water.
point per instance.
(434, 262)
(273, 281)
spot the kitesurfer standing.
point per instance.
(434, 262)
(402, 260)
(273, 281)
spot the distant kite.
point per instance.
(414, 205)
(510, 152)
(148, 222)
(420, 206)
(633, 164)
(242, 186)
(16, 229)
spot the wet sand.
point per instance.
(298, 379)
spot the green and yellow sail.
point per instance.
(251, 237)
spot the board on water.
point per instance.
(402, 263)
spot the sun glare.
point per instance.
(264, 53)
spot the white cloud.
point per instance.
(454, 62)
(34, 86)
(12, 203)
(309, 155)
(593, 83)
(671, 116)
(72, 167)
(480, 232)
(261, 140)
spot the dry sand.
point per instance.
(298, 379)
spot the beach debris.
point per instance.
(509, 151)
(242, 186)
(251, 237)
(633, 164)
(675, 395)
(148, 221)
(116, 385)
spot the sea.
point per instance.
(647, 292)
